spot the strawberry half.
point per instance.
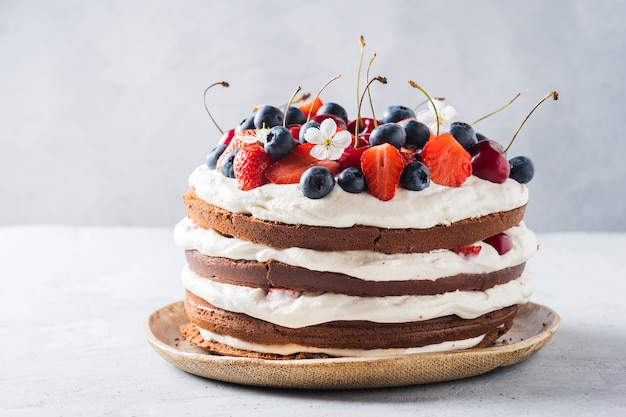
(250, 165)
(449, 164)
(467, 251)
(382, 166)
(235, 143)
(289, 169)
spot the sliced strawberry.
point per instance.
(236, 142)
(306, 106)
(289, 169)
(382, 166)
(467, 251)
(449, 164)
(250, 165)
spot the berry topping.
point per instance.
(246, 124)
(415, 176)
(417, 134)
(464, 134)
(295, 116)
(397, 113)
(278, 142)
(316, 182)
(500, 242)
(351, 157)
(268, 116)
(311, 107)
(227, 137)
(382, 166)
(390, 133)
(289, 169)
(214, 155)
(352, 180)
(467, 251)
(334, 109)
(240, 140)
(449, 164)
(522, 169)
(304, 128)
(227, 167)
(489, 163)
(249, 166)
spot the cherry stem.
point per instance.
(552, 94)
(223, 84)
(293, 96)
(382, 80)
(358, 77)
(308, 117)
(416, 85)
(497, 110)
(369, 93)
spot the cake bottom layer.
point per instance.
(240, 334)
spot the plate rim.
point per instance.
(196, 363)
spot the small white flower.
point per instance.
(447, 116)
(260, 135)
(329, 144)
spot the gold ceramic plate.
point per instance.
(532, 329)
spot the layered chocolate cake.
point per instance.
(304, 242)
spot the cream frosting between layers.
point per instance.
(307, 309)
(435, 205)
(366, 265)
(295, 348)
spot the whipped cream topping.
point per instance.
(295, 348)
(308, 309)
(366, 265)
(435, 205)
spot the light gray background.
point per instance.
(101, 115)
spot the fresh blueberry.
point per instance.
(396, 113)
(316, 182)
(480, 137)
(464, 134)
(417, 134)
(415, 176)
(391, 133)
(267, 117)
(295, 116)
(304, 128)
(278, 142)
(522, 169)
(334, 108)
(228, 170)
(352, 180)
(214, 155)
(247, 123)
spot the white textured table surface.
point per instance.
(73, 303)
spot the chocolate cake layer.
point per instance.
(277, 274)
(346, 334)
(281, 235)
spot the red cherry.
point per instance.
(491, 165)
(500, 242)
(227, 137)
(475, 148)
(351, 157)
(366, 126)
(341, 124)
(295, 131)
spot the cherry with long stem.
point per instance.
(223, 84)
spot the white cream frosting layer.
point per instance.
(294, 348)
(366, 265)
(432, 206)
(308, 309)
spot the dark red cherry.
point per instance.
(366, 126)
(481, 144)
(490, 164)
(351, 157)
(500, 242)
(341, 124)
